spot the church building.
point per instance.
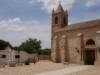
(76, 43)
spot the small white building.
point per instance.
(9, 54)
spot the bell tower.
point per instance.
(59, 21)
(59, 17)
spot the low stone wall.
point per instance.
(44, 57)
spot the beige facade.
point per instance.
(76, 43)
(9, 54)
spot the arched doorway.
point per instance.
(89, 52)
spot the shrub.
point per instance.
(27, 62)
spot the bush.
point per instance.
(27, 62)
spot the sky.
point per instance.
(23, 19)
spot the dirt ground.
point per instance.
(41, 66)
(46, 66)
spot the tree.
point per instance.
(4, 44)
(45, 51)
(31, 46)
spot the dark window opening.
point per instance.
(64, 20)
(3, 56)
(90, 42)
(17, 56)
(56, 20)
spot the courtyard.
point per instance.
(49, 68)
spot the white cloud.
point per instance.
(50, 4)
(16, 28)
(90, 3)
(32, 2)
(16, 31)
(13, 25)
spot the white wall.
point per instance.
(10, 56)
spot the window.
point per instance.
(64, 20)
(3, 56)
(17, 56)
(56, 20)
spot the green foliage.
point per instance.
(46, 51)
(4, 44)
(31, 45)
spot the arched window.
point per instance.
(64, 20)
(90, 42)
(56, 20)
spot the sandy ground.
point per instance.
(92, 71)
(47, 66)
(66, 71)
(42, 66)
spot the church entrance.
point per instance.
(89, 57)
(89, 52)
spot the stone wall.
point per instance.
(74, 43)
